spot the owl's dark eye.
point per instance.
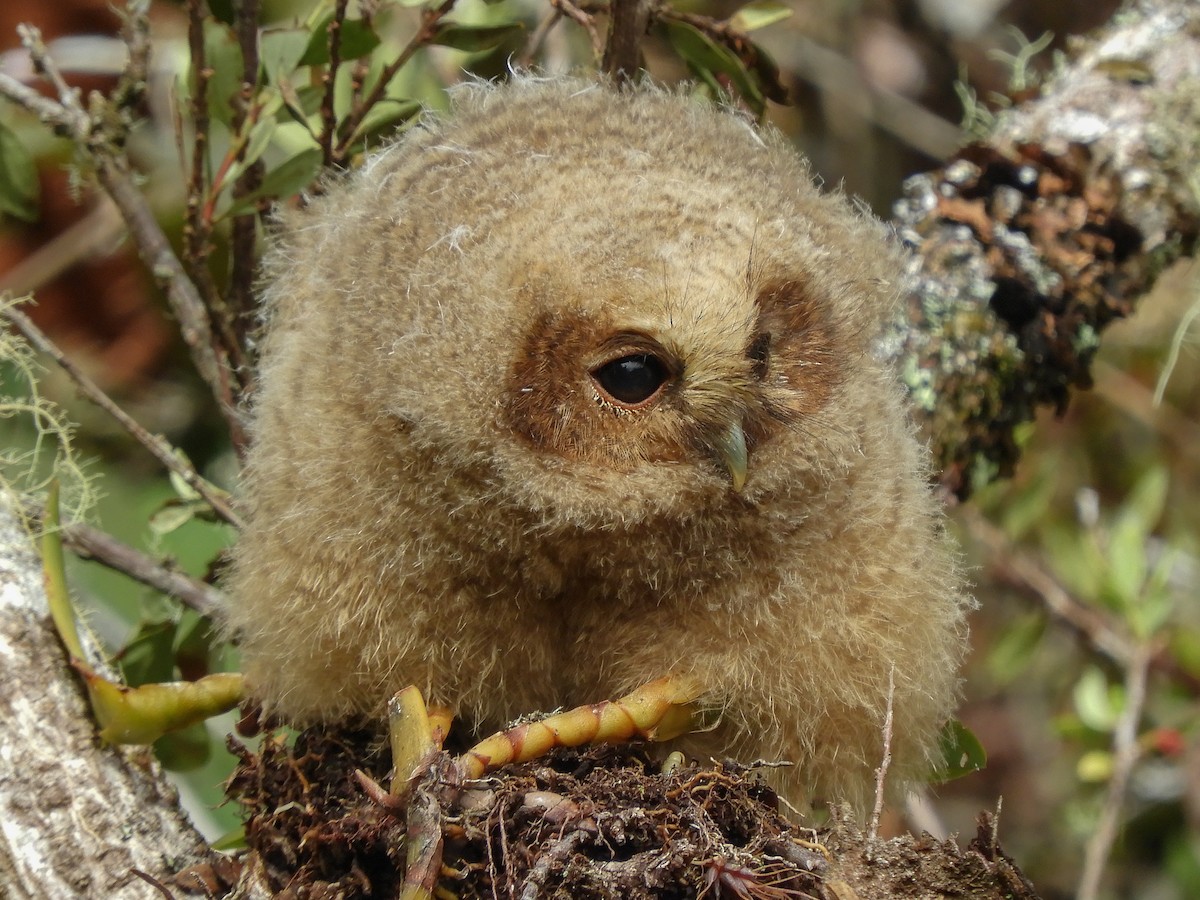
(631, 379)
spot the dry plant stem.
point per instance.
(534, 44)
(347, 131)
(329, 80)
(585, 20)
(159, 448)
(881, 772)
(623, 55)
(196, 228)
(236, 315)
(1022, 571)
(91, 543)
(1125, 755)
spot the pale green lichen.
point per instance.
(36, 439)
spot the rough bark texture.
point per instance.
(1026, 245)
(75, 818)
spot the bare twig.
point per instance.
(885, 763)
(196, 230)
(329, 80)
(159, 448)
(1126, 752)
(534, 44)
(623, 55)
(91, 543)
(348, 130)
(585, 20)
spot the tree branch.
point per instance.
(1026, 245)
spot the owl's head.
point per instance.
(607, 306)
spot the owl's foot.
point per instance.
(657, 711)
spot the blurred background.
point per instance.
(1099, 524)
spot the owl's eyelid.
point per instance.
(633, 343)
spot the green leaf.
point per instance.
(475, 38)
(1095, 766)
(184, 750)
(149, 655)
(961, 752)
(223, 56)
(387, 112)
(759, 14)
(1095, 703)
(18, 178)
(705, 57)
(173, 515)
(355, 40)
(1011, 654)
(281, 52)
(232, 840)
(285, 180)
(1185, 649)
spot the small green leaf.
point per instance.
(475, 38)
(232, 840)
(355, 40)
(18, 178)
(386, 113)
(706, 57)
(1011, 654)
(223, 57)
(285, 180)
(281, 51)
(149, 656)
(759, 14)
(1094, 701)
(961, 752)
(1095, 766)
(172, 515)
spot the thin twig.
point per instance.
(348, 130)
(1126, 752)
(534, 44)
(586, 20)
(885, 763)
(329, 80)
(91, 543)
(159, 448)
(243, 244)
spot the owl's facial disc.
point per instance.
(635, 381)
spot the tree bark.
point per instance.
(1028, 243)
(76, 818)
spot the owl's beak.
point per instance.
(731, 447)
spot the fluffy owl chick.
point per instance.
(572, 389)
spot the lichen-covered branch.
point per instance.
(1028, 243)
(76, 818)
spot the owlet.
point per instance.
(571, 389)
